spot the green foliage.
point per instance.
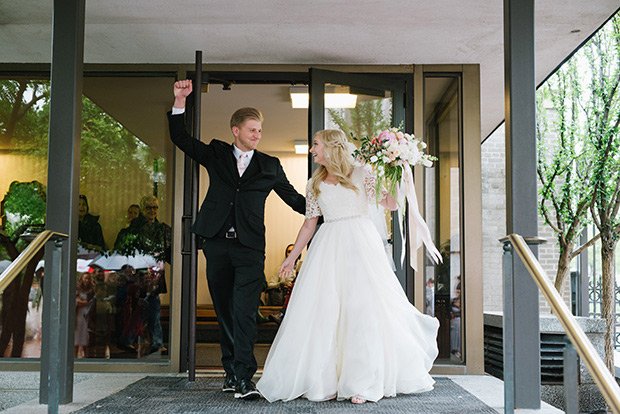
(564, 163)
(24, 205)
(365, 119)
(144, 243)
(579, 155)
(108, 149)
(602, 121)
(24, 111)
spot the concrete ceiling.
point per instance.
(387, 32)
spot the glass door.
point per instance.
(443, 208)
(361, 104)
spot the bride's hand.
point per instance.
(286, 270)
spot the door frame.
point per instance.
(316, 122)
(224, 78)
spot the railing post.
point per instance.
(54, 302)
(571, 383)
(514, 353)
(508, 331)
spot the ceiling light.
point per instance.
(333, 98)
(301, 147)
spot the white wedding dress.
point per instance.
(349, 328)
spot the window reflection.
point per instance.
(124, 240)
(372, 113)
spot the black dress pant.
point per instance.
(235, 275)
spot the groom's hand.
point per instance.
(182, 89)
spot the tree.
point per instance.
(563, 166)
(365, 119)
(24, 206)
(579, 168)
(21, 117)
(602, 120)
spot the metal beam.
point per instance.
(62, 194)
(193, 281)
(522, 351)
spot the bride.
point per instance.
(349, 331)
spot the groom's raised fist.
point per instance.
(182, 89)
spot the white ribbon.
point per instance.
(418, 230)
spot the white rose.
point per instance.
(427, 163)
(373, 158)
(386, 159)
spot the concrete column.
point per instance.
(522, 337)
(62, 191)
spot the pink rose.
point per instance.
(387, 135)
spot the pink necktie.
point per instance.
(242, 163)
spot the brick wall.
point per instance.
(494, 226)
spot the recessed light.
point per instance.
(301, 147)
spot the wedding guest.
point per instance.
(429, 297)
(126, 276)
(153, 237)
(287, 285)
(132, 212)
(84, 298)
(455, 323)
(105, 297)
(90, 235)
(133, 318)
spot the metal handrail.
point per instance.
(24, 258)
(605, 382)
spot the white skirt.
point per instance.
(349, 328)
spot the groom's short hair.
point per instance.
(243, 114)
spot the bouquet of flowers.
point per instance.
(389, 153)
(392, 154)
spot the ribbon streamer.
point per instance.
(418, 230)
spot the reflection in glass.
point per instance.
(121, 208)
(442, 116)
(372, 113)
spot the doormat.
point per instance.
(177, 395)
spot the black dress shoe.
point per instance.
(230, 383)
(246, 390)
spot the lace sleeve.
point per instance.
(312, 203)
(370, 185)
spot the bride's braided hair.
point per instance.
(338, 155)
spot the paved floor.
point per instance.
(19, 391)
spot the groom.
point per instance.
(231, 222)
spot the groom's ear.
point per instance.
(235, 131)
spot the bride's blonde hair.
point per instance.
(338, 156)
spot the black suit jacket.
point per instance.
(226, 189)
